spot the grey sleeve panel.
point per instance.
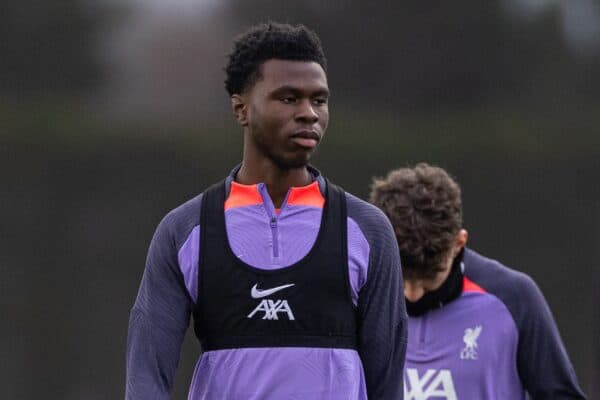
(542, 361)
(381, 307)
(161, 313)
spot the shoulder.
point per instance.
(375, 227)
(177, 224)
(494, 276)
(369, 218)
(517, 290)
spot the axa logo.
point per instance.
(433, 384)
(271, 308)
(469, 352)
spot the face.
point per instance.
(285, 113)
(414, 289)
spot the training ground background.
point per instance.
(113, 113)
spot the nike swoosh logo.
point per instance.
(258, 294)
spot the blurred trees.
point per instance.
(400, 56)
(49, 47)
(407, 56)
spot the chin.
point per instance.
(295, 164)
(292, 162)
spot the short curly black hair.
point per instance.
(424, 205)
(268, 41)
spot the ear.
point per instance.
(461, 241)
(240, 109)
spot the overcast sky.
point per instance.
(580, 19)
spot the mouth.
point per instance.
(306, 138)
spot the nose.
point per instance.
(306, 112)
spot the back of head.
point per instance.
(265, 42)
(424, 206)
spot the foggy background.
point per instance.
(113, 112)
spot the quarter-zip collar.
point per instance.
(315, 173)
(239, 195)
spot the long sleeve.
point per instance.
(158, 320)
(542, 360)
(543, 365)
(382, 310)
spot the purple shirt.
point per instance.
(496, 341)
(465, 350)
(269, 239)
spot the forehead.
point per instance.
(302, 75)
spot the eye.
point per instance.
(288, 99)
(320, 101)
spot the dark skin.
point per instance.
(284, 115)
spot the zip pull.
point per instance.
(274, 234)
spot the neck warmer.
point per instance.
(450, 290)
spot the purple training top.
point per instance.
(496, 341)
(269, 239)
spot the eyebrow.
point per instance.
(297, 91)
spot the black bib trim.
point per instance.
(307, 304)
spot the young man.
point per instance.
(477, 329)
(295, 286)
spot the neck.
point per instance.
(277, 180)
(448, 291)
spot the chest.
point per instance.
(306, 304)
(465, 350)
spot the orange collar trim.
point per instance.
(470, 286)
(248, 195)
